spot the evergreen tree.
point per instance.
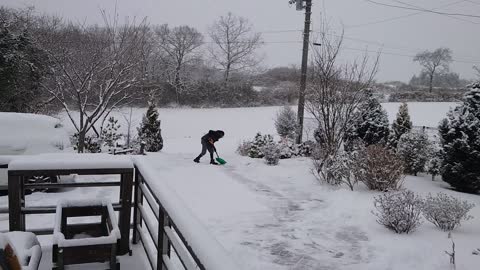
(110, 134)
(260, 141)
(22, 65)
(460, 140)
(401, 125)
(149, 130)
(286, 122)
(371, 124)
(414, 149)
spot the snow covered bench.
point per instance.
(85, 243)
(20, 250)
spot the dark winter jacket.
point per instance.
(213, 136)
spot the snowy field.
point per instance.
(280, 217)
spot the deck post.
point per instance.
(137, 215)
(16, 221)
(163, 242)
(126, 184)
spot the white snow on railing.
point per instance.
(70, 161)
(208, 250)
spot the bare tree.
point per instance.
(434, 62)
(336, 92)
(179, 48)
(95, 70)
(234, 44)
(477, 69)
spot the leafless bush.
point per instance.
(398, 211)
(336, 169)
(244, 147)
(446, 212)
(378, 168)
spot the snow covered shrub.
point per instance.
(379, 168)
(110, 134)
(256, 149)
(370, 123)
(92, 144)
(414, 148)
(244, 147)
(460, 140)
(401, 125)
(286, 122)
(398, 211)
(305, 149)
(336, 169)
(149, 130)
(446, 212)
(434, 165)
(271, 153)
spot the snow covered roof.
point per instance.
(70, 161)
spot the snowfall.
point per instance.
(278, 217)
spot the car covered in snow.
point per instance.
(29, 134)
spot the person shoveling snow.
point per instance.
(208, 143)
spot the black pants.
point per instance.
(206, 146)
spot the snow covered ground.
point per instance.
(281, 217)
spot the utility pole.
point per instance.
(303, 75)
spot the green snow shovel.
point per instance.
(220, 160)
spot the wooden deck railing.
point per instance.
(165, 226)
(168, 223)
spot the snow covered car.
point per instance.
(29, 134)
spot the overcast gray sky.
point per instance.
(365, 24)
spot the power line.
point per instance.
(424, 10)
(403, 16)
(450, 16)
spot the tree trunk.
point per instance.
(81, 141)
(431, 83)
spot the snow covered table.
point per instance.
(85, 243)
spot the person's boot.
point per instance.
(213, 162)
(196, 160)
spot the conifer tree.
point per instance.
(286, 122)
(110, 134)
(460, 140)
(149, 130)
(371, 124)
(401, 125)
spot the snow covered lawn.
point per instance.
(280, 217)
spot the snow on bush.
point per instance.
(150, 131)
(401, 125)
(434, 164)
(446, 212)
(92, 144)
(244, 147)
(259, 142)
(336, 169)
(414, 149)
(286, 122)
(378, 168)
(460, 140)
(398, 211)
(271, 153)
(110, 135)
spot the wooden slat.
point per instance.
(71, 185)
(151, 201)
(150, 257)
(125, 213)
(51, 209)
(150, 226)
(180, 249)
(168, 263)
(72, 171)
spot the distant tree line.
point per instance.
(48, 63)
